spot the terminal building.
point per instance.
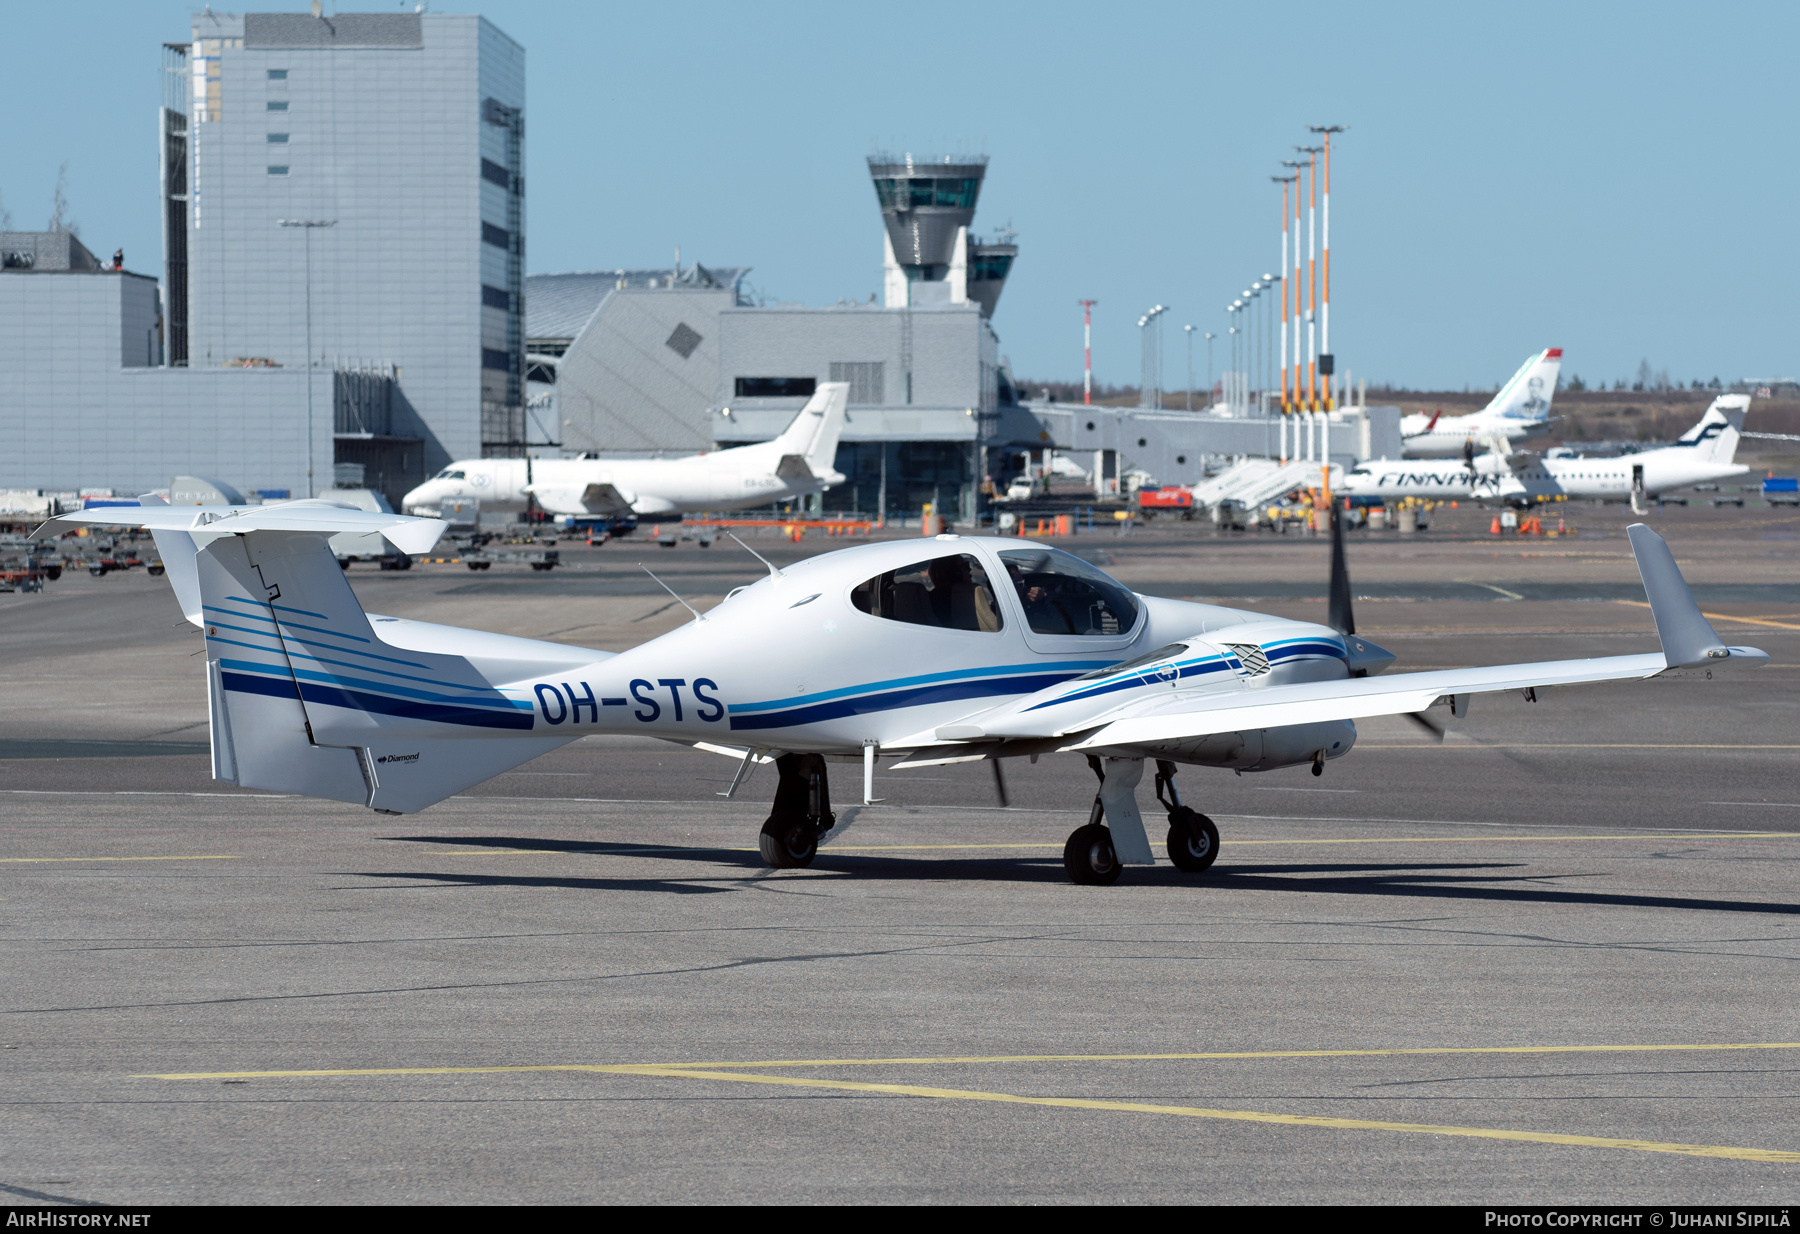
(682, 360)
(342, 202)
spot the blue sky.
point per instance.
(1612, 179)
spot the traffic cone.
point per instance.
(1495, 529)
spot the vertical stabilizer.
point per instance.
(1526, 396)
(1715, 438)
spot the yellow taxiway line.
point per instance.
(1755, 621)
(709, 1071)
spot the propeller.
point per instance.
(1365, 658)
(1339, 617)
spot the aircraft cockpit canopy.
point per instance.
(1062, 594)
(952, 593)
(449, 474)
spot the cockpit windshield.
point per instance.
(1062, 594)
(448, 474)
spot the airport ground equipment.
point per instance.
(1224, 486)
(1781, 491)
(925, 652)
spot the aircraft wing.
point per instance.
(1690, 648)
(601, 499)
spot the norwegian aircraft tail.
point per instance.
(1527, 395)
(1715, 438)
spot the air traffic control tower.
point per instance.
(931, 259)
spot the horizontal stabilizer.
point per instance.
(409, 535)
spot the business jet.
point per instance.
(1521, 409)
(953, 649)
(795, 464)
(1702, 455)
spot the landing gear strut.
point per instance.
(1089, 856)
(802, 813)
(1193, 839)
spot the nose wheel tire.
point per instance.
(1089, 857)
(788, 841)
(1193, 840)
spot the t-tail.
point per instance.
(1715, 438)
(1526, 397)
(808, 446)
(304, 694)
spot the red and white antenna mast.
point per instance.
(1326, 360)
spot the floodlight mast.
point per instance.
(1312, 276)
(1087, 351)
(1298, 285)
(1325, 310)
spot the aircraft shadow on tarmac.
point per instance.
(1412, 880)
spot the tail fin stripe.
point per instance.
(388, 672)
(288, 625)
(220, 625)
(351, 651)
(232, 612)
(352, 700)
(232, 642)
(303, 612)
(497, 701)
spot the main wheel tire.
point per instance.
(788, 842)
(1089, 857)
(1193, 840)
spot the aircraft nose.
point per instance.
(421, 496)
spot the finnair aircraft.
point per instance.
(1703, 455)
(795, 464)
(1520, 410)
(923, 652)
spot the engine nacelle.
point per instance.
(1263, 749)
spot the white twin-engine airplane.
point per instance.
(927, 652)
(1520, 410)
(1702, 455)
(795, 464)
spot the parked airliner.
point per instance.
(795, 464)
(1703, 455)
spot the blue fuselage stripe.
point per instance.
(356, 700)
(1063, 669)
(915, 696)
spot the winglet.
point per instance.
(1688, 639)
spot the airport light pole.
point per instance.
(1210, 336)
(1087, 351)
(308, 226)
(1189, 331)
(1326, 360)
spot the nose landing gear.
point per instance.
(1193, 839)
(802, 813)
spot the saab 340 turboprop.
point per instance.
(952, 649)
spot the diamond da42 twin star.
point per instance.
(918, 651)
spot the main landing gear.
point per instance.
(1193, 839)
(1093, 854)
(802, 813)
